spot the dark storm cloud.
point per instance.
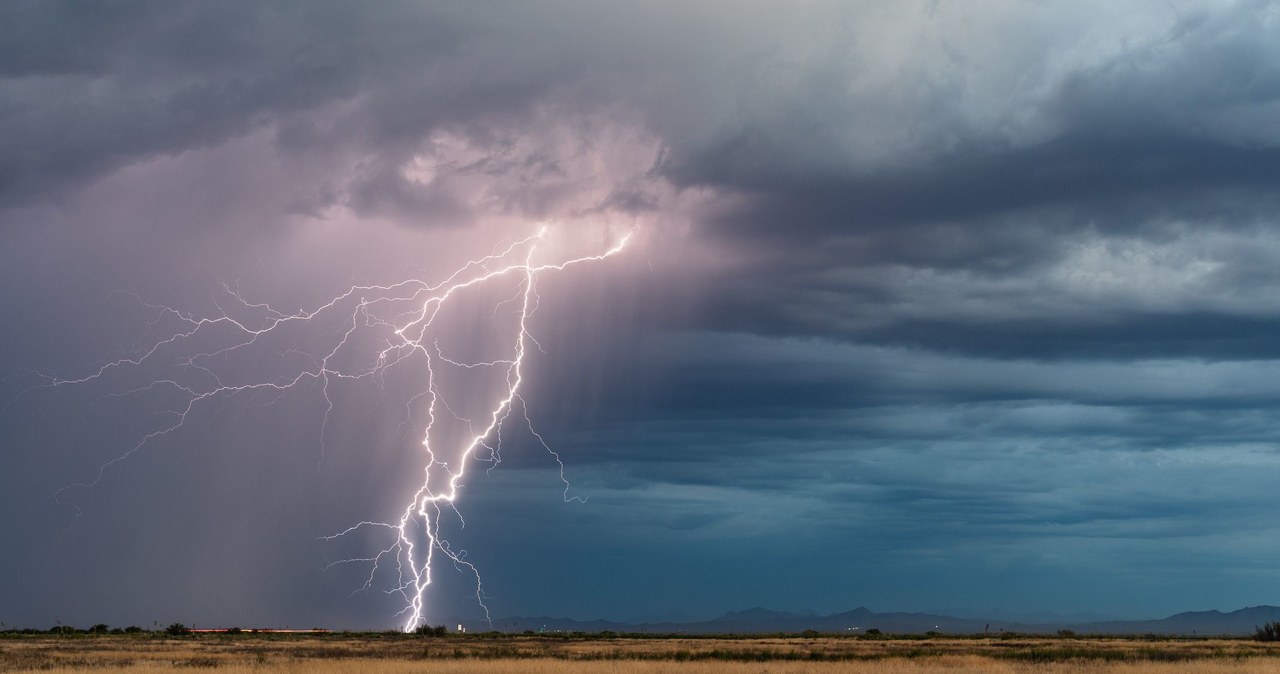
(1171, 132)
(1174, 125)
(94, 89)
(1191, 334)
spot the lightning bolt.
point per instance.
(403, 317)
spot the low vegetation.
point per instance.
(427, 630)
(1268, 632)
(177, 630)
(946, 665)
(101, 649)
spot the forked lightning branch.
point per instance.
(404, 319)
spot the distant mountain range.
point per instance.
(859, 620)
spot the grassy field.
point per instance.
(393, 654)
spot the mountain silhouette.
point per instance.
(760, 620)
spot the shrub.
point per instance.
(177, 630)
(132, 629)
(100, 628)
(1268, 632)
(1066, 633)
(429, 631)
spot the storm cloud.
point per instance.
(935, 304)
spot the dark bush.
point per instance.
(1268, 632)
(429, 631)
(177, 630)
(132, 629)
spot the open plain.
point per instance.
(456, 654)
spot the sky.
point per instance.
(929, 306)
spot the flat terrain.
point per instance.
(392, 654)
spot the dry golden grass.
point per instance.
(970, 664)
(379, 654)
